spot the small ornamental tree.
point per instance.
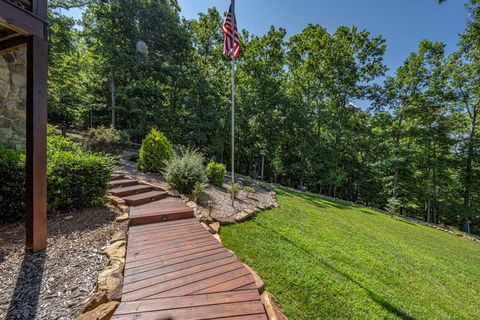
(216, 172)
(155, 150)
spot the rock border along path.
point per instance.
(175, 268)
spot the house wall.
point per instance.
(13, 90)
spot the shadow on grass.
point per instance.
(375, 297)
(320, 201)
(24, 301)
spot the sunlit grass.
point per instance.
(326, 260)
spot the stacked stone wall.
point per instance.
(13, 85)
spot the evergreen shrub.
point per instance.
(154, 152)
(216, 172)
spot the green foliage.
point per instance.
(235, 188)
(216, 172)
(199, 192)
(310, 240)
(415, 152)
(155, 151)
(106, 140)
(185, 169)
(12, 184)
(76, 179)
(249, 190)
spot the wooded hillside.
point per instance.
(416, 151)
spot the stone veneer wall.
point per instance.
(13, 95)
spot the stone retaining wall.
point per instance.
(13, 85)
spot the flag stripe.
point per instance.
(231, 47)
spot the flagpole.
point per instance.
(233, 101)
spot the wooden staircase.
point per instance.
(175, 269)
(148, 204)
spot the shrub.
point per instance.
(106, 140)
(216, 172)
(199, 192)
(185, 169)
(12, 184)
(76, 179)
(155, 151)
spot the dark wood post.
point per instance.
(36, 155)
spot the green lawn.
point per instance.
(326, 260)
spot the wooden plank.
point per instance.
(13, 44)
(167, 226)
(200, 312)
(164, 238)
(159, 217)
(172, 287)
(23, 21)
(139, 285)
(173, 243)
(143, 198)
(221, 275)
(138, 254)
(172, 268)
(230, 285)
(154, 258)
(168, 262)
(128, 191)
(36, 153)
(177, 251)
(185, 302)
(123, 183)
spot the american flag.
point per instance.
(230, 48)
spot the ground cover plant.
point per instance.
(327, 260)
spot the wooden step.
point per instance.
(166, 209)
(117, 177)
(129, 191)
(144, 198)
(123, 183)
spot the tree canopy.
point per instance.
(416, 151)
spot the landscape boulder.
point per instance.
(102, 312)
(116, 249)
(110, 280)
(272, 307)
(258, 281)
(215, 226)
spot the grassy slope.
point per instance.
(322, 259)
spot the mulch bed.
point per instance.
(54, 284)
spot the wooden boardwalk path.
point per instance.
(175, 269)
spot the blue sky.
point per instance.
(403, 23)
